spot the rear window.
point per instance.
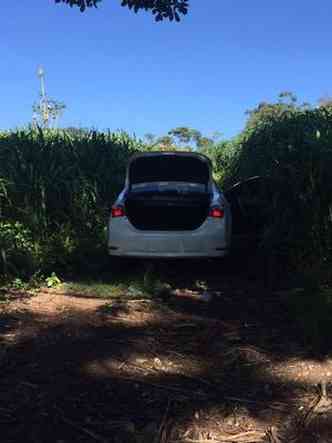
(168, 186)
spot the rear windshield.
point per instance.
(169, 168)
(168, 186)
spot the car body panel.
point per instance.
(209, 240)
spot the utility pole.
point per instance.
(43, 98)
(46, 110)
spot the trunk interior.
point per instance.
(167, 210)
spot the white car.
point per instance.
(170, 207)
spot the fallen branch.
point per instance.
(139, 300)
(254, 402)
(163, 422)
(273, 436)
(83, 429)
(243, 437)
(166, 388)
(321, 405)
(186, 376)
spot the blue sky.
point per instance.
(118, 70)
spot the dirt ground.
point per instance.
(76, 368)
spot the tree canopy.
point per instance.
(161, 9)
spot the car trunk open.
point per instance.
(168, 192)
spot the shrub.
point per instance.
(294, 149)
(60, 186)
(19, 254)
(311, 310)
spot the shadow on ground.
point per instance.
(160, 370)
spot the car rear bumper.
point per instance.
(210, 240)
(159, 254)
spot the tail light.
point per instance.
(217, 212)
(118, 211)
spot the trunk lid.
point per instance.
(169, 167)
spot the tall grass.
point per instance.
(294, 149)
(56, 188)
(59, 186)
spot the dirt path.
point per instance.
(78, 369)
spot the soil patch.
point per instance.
(78, 369)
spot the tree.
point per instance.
(185, 135)
(161, 9)
(325, 102)
(165, 141)
(291, 144)
(203, 142)
(188, 136)
(149, 138)
(47, 112)
(266, 111)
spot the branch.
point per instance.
(82, 4)
(161, 9)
